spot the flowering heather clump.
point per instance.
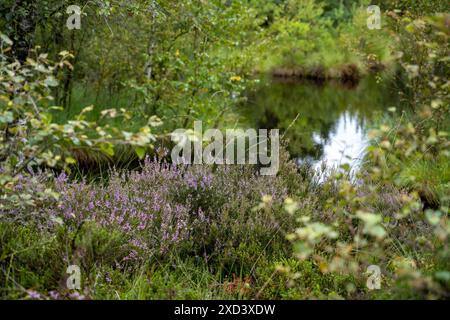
(22, 199)
(162, 206)
(137, 204)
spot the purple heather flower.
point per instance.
(33, 294)
(54, 295)
(76, 296)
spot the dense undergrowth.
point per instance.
(212, 232)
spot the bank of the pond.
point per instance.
(347, 73)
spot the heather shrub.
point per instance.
(213, 213)
(24, 198)
(136, 204)
(225, 220)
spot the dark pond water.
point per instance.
(324, 123)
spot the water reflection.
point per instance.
(346, 144)
(332, 121)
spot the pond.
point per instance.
(323, 123)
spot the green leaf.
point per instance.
(442, 275)
(5, 39)
(140, 151)
(433, 217)
(290, 205)
(6, 117)
(51, 81)
(57, 220)
(154, 121)
(70, 160)
(107, 148)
